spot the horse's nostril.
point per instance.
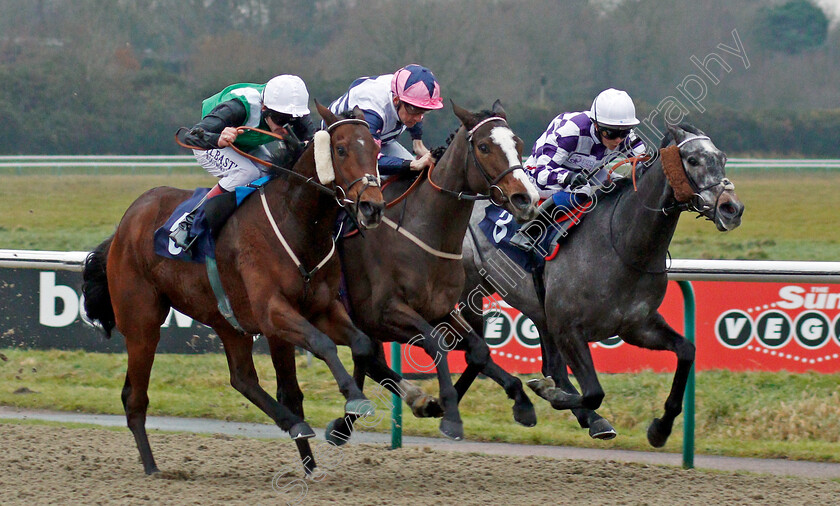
(371, 210)
(730, 210)
(520, 200)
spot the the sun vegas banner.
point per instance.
(740, 326)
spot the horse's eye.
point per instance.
(341, 151)
(483, 148)
(693, 161)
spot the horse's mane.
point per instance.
(437, 153)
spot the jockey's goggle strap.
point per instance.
(476, 127)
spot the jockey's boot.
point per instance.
(181, 235)
(533, 231)
(523, 240)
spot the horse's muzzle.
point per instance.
(370, 214)
(522, 207)
(728, 211)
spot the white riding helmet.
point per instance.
(287, 94)
(614, 108)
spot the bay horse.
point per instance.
(127, 286)
(404, 279)
(609, 277)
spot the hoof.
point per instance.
(335, 435)
(658, 433)
(301, 430)
(452, 430)
(153, 471)
(360, 408)
(560, 399)
(540, 385)
(427, 407)
(601, 429)
(525, 415)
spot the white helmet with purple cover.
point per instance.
(416, 85)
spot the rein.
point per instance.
(338, 193)
(492, 182)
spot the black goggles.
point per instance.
(279, 118)
(614, 133)
(414, 110)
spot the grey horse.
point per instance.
(609, 276)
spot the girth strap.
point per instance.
(219, 292)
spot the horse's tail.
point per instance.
(95, 288)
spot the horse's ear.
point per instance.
(467, 118)
(676, 132)
(498, 110)
(329, 117)
(357, 113)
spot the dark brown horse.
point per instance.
(405, 279)
(128, 286)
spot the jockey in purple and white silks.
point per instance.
(393, 103)
(572, 154)
(570, 161)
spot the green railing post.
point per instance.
(688, 401)
(396, 400)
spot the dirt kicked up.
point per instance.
(50, 464)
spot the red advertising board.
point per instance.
(740, 326)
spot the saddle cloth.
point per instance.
(499, 227)
(204, 245)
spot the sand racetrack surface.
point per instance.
(49, 464)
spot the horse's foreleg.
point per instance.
(337, 324)
(243, 377)
(289, 393)
(286, 322)
(656, 334)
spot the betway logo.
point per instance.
(53, 314)
(795, 297)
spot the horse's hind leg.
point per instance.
(554, 368)
(656, 334)
(478, 359)
(138, 314)
(135, 399)
(289, 393)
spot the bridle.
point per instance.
(687, 193)
(367, 180)
(492, 183)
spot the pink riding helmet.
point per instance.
(416, 85)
